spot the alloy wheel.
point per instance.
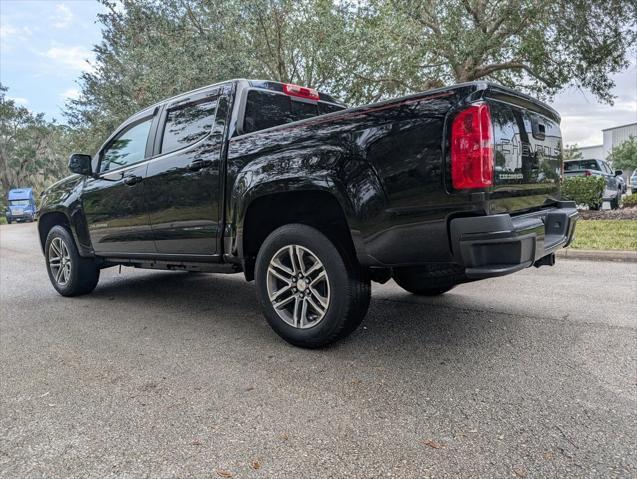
(60, 261)
(298, 286)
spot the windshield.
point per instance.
(19, 202)
(265, 109)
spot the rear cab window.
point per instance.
(266, 109)
(581, 165)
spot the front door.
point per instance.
(113, 200)
(183, 185)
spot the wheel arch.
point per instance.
(52, 218)
(48, 221)
(318, 207)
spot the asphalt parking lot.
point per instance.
(160, 374)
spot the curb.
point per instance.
(598, 255)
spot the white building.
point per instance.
(613, 137)
(592, 152)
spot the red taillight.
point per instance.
(587, 173)
(300, 91)
(472, 148)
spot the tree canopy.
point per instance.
(624, 156)
(540, 46)
(32, 150)
(358, 51)
(572, 152)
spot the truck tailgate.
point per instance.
(528, 152)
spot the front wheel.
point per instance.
(312, 293)
(70, 274)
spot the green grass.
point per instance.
(3, 220)
(606, 234)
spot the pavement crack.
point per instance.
(557, 426)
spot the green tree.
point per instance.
(358, 51)
(624, 156)
(155, 49)
(33, 151)
(151, 50)
(540, 46)
(572, 152)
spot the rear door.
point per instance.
(113, 200)
(183, 189)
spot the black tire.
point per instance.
(614, 204)
(424, 282)
(349, 287)
(83, 273)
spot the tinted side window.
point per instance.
(188, 124)
(607, 168)
(128, 147)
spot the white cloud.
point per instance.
(583, 118)
(63, 16)
(7, 30)
(71, 94)
(74, 58)
(19, 100)
(11, 36)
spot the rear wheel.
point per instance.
(312, 292)
(70, 274)
(424, 282)
(614, 204)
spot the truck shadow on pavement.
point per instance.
(222, 304)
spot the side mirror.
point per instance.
(80, 164)
(619, 172)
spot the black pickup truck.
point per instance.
(313, 200)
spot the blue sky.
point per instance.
(45, 45)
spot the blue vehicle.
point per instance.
(21, 206)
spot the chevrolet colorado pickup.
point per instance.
(312, 200)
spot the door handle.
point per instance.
(199, 164)
(132, 180)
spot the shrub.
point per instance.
(584, 190)
(630, 200)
